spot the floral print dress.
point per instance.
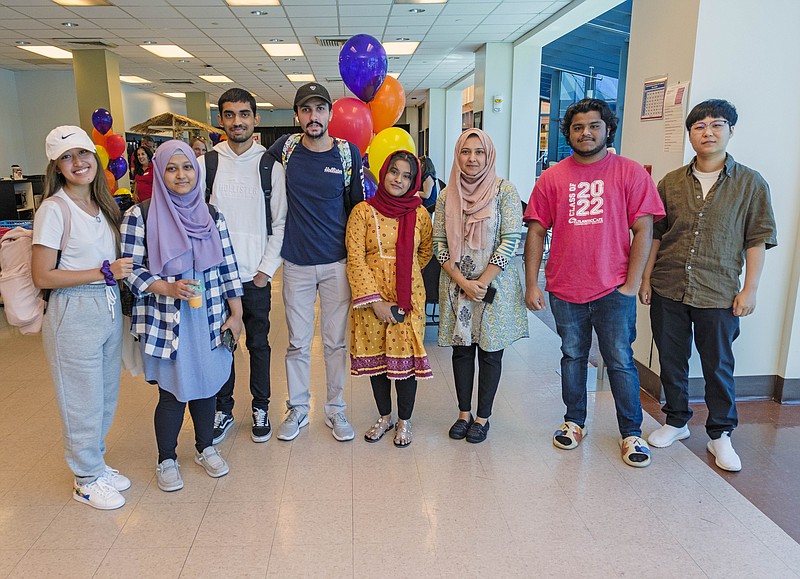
(463, 322)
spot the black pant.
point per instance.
(406, 394)
(490, 365)
(715, 329)
(256, 304)
(168, 420)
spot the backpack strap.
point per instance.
(289, 147)
(66, 216)
(265, 173)
(212, 162)
(347, 163)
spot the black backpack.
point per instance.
(264, 171)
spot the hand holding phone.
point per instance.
(228, 341)
(491, 291)
(398, 314)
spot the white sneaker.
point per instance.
(666, 435)
(168, 476)
(340, 427)
(98, 494)
(211, 460)
(116, 480)
(726, 457)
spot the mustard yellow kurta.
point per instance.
(376, 347)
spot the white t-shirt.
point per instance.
(91, 240)
(707, 180)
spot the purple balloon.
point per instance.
(370, 185)
(118, 167)
(363, 66)
(102, 121)
(215, 137)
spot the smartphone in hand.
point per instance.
(228, 341)
(398, 314)
(491, 291)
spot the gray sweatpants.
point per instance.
(83, 347)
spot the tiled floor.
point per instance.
(513, 506)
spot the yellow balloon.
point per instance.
(122, 191)
(103, 154)
(384, 144)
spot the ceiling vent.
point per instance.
(177, 81)
(332, 41)
(87, 42)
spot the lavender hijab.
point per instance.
(181, 235)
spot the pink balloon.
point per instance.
(352, 121)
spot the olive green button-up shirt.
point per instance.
(703, 241)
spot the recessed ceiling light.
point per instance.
(214, 105)
(48, 51)
(404, 48)
(417, 10)
(218, 78)
(253, 2)
(259, 12)
(167, 50)
(283, 49)
(22, 42)
(264, 105)
(298, 77)
(83, 2)
(149, 42)
(70, 24)
(134, 80)
(175, 95)
(393, 74)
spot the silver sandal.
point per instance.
(403, 436)
(376, 432)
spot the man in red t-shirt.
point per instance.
(592, 201)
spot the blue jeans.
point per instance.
(613, 318)
(715, 329)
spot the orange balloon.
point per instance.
(98, 138)
(111, 181)
(388, 104)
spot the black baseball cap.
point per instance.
(311, 90)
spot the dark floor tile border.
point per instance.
(767, 387)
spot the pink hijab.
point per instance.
(470, 200)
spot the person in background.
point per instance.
(429, 188)
(198, 145)
(482, 309)
(388, 244)
(143, 175)
(82, 331)
(188, 296)
(719, 219)
(593, 200)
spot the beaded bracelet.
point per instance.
(105, 269)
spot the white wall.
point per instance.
(139, 105)
(12, 146)
(728, 49)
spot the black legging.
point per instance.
(168, 420)
(490, 365)
(406, 393)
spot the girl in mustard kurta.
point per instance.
(389, 241)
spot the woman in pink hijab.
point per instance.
(476, 230)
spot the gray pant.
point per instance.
(83, 348)
(300, 285)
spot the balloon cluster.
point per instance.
(110, 148)
(367, 121)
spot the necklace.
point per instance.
(87, 207)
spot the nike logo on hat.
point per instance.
(67, 136)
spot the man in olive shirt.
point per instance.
(719, 217)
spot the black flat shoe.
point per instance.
(477, 432)
(459, 430)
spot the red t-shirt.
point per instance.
(591, 209)
(144, 184)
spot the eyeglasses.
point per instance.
(716, 126)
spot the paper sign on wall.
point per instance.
(653, 98)
(674, 113)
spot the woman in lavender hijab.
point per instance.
(188, 312)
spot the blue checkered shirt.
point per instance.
(156, 317)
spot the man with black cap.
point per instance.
(324, 180)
